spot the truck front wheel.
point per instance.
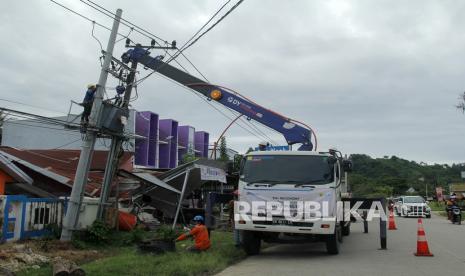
(251, 242)
(332, 242)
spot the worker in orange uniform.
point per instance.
(200, 235)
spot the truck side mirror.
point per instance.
(347, 165)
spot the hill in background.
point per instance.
(373, 177)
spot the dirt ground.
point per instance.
(35, 253)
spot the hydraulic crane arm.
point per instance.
(292, 132)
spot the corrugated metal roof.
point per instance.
(12, 170)
(60, 165)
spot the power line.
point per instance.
(69, 143)
(247, 123)
(83, 16)
(261, 132)
(209, 103)
(40, 126)
(132, 26)
(212, 26)
(181, 50)
(152, 36)
(30, 115)
(149, 35)
(99, 43)
(34, 106)
(201, 28)
(112, 15)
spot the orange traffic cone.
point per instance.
(392, 222)
(422, 244)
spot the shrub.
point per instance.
(97, 233)
(166, 233)
(135, 236)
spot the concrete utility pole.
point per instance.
(87, 147)
(116, 143)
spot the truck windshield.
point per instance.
(415, 199)
(287, 169)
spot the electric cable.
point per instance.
(83, 16)
(34, 106)
(153, 36)
(209, 103)
(93, 27)
(180, 50)
(147, 34)
(68, 143)
(212, 26)
(131, 26)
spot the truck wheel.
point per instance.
(428, 216)
(332, 242)
(251, 242)
(346, 229)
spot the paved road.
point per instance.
(360, 255)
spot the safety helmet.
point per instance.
(198, 219)
(120, 89)
(91, 86)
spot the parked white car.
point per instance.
(414, 206)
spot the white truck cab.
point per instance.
(416, 206)
(281, 183)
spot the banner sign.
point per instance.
(210, 173)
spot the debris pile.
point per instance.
(20, 256)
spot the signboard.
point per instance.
(462, 174)
(275, 148)
(210, 173)
(439, 194)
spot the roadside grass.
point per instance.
(130, 262)
(126, 260)
(439, 209)
(437, 206)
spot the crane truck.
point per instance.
(282, 181)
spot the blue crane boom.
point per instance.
(293, 133)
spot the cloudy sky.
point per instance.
(374, 77)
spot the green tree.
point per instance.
(187, 158)
(237, 162)
(223, 150)
(394, 175)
